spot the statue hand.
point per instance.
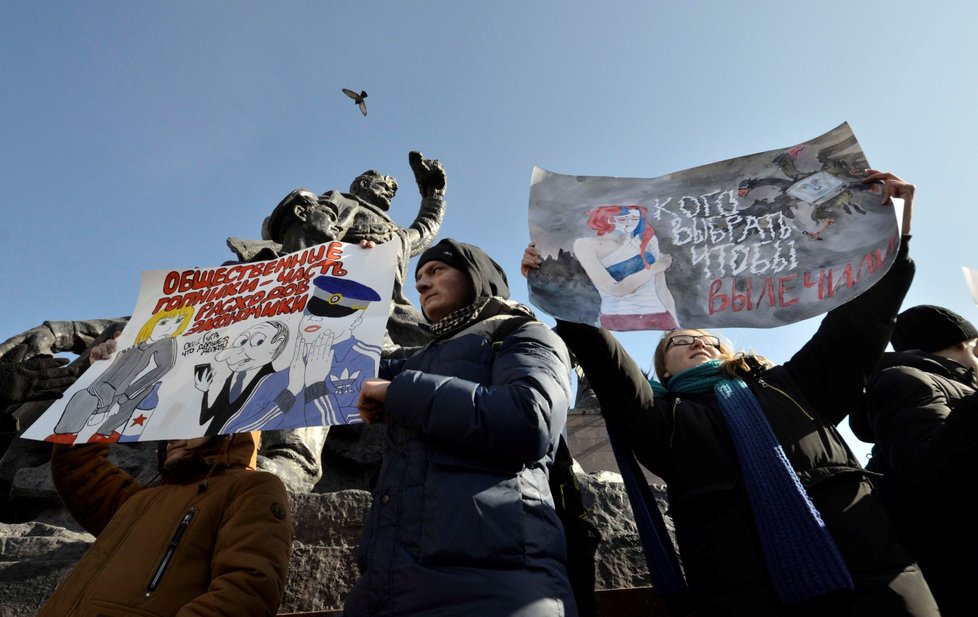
(37, 379)
(428, 173)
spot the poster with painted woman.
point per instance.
(757, 241)
(971, 280)
(271, 345)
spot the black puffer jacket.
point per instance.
(684, 439)
(921, 412)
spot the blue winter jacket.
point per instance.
(462, 520)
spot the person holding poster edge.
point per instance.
(463, 521)
(774, 516)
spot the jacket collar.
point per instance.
(930, 363)
(237, 451)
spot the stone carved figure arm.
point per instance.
(53, 337)
(431, 179)
(39, 378)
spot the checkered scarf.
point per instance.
(456, 319)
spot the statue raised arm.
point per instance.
(303, 219)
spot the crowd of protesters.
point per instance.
(773, 514)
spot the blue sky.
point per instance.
(141, 135)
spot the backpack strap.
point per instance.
(506, 328)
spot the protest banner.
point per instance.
(757, 241)
(277, 344)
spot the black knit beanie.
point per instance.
(446, 251)
(930, 328)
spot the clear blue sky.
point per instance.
(141, 135)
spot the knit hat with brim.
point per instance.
(930, 328)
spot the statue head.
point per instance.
(375, 188)
(293, 209)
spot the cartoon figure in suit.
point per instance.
(250, 358)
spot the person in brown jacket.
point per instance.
(213, 538)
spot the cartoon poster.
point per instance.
(271, 345)
(971, 279)
(757, 241)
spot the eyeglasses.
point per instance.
(689, 339)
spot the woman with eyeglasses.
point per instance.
(773, 514)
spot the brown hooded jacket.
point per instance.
(212, 539)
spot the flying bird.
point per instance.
(358, 99)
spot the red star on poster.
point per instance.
(139, 421)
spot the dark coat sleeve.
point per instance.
(622, 389)
(832, 367)
(929, 441)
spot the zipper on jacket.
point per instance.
(765, 384)
(170, 549)
(672, 433)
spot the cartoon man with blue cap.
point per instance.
(329, 364)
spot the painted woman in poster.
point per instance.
(625, 265)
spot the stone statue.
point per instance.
(53, 337)
(24, 353)
(303, 219)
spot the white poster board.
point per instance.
(276, 344)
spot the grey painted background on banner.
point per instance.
(757, 241)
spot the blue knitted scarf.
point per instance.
(803, 561)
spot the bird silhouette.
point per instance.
(358, 99)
